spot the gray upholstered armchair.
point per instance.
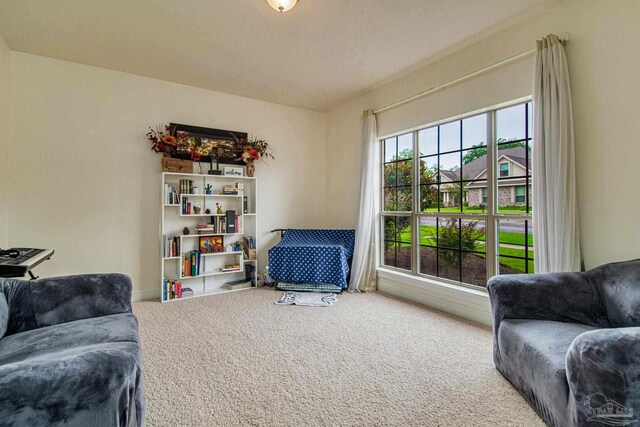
(570, 342)
(69, 352)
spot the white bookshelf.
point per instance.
(211, 280)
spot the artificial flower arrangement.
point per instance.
(255, 149)
(161, 140)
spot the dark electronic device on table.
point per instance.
(16, 262)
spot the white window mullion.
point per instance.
(415, 220)
(491, 231)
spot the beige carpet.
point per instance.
(370, 360)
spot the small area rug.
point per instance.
(309, 299)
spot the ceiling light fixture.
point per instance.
(282, 5)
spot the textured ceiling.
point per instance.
(315, 56)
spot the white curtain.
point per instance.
(363, 266)
(555, 211)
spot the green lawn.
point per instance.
(476, 209)
(428, 233)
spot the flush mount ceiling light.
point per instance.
(282, 5)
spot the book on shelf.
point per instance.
(205, 229)
(228, 224)
(187, 206)
(171, 195)
(230, 267)
(185, 186)
(230, 191)
(171, 246)
(230, 221)
(172, 289)
(190, 264)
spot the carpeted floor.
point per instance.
(370, 360)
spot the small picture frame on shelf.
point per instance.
(233, 171)
(211, 244)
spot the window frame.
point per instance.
(523, 195)
(491, 216)
(508, 169)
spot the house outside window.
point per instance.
(448, 209)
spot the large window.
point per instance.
(456, 207)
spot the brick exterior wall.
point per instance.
(506, 196)
(475, 196)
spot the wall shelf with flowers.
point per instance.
(182, 146)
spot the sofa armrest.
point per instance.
(563, 297)
(604, 364)
(45, 302)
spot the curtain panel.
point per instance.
(365, 256)
(555, 210)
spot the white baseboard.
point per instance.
(144, 295)
(467, 303)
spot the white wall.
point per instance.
(5, 134)
(83, 180)
(604, 76)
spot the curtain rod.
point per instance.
(418, 95)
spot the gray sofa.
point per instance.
(570, 342)
(69, 352)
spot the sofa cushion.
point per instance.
(4, 314)
(619, 285)
(81, 373)
(533, 356)
(41, 342)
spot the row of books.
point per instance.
(187, 207)
(220, 225)
(191, 264)
(170, 246)
(172, 289)
(185, 186)
(249, 242)
(171, 195)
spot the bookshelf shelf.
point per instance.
(223, 253)
(183, 250)
(212, 273)
(202, 215)
(204, 175)
(210, 235)
(197, 294)
(234, 196)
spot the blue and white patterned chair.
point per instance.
(313, 256)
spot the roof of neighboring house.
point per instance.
(451, 176)
(474, 168)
